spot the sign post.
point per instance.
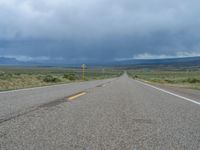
(83, 66)
(103, 71)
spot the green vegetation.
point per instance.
(52, 79)
(182, 78)
(71, 76)
(25, 77)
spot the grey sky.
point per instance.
(96, 30)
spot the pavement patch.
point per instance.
(54, 103)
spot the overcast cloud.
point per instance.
(92, 30)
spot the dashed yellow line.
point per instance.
(76, 96)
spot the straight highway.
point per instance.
(113, 114)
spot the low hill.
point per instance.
(170, 62)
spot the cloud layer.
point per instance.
(92, 30)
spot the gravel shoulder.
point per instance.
(186, 92)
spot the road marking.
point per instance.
(39, 87)
(165, 91)
(76, 96)
(49, 86)
(103, 85)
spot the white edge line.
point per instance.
(176, 95)
(33, 88)
(48, 86)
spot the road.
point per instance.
(113, 114)
(15, 103)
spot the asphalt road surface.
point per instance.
(113, 114)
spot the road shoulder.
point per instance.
(185, 92)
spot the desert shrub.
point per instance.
(192, 80)
(169, 81)
(50, 78)
(17, 74)
(5, 76)
(70, 76)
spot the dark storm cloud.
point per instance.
(92, 30)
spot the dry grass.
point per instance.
(181, 78)
(17, 78)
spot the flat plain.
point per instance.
(12, 78)
(186, 78)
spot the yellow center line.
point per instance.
(76, 96)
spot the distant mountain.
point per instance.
(173, 62)
(176, 62)
(12, 62)
(9, 61)
(5, 61)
